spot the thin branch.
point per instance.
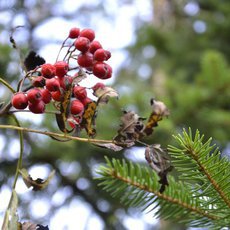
(47, 133)
(5, 83)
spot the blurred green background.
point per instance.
(175, 51)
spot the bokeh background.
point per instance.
(175, 51)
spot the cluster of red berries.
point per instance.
(92, 56)
(51, 81)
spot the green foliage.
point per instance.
(200, 197)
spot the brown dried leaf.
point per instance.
(159, 111)
(130, 129)
(31, 226)
(104, 93)
(37, 184)
(88, 119)
(111, 146)
(159, 162)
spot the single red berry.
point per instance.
(52, 84)
(86, 101)
(76, 107)
(94, 45)
(48, 70)
(38, 107)
(79, 92)
(88, 33)
(82, 44)
(19, 100)
(46, 96)
(85, 60)
(101, 55)
(98, 85)
(74, 32)
(34, 95)
(65, 82)
(102, 70)
(39, 81)
(56, 95)
(61, 68)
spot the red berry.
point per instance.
(38, 107)
(86, 101)
(46, 96)
(85, 60)
(79, 92)
(102, 70)
(88, 33)
(48, 70)
(56, 95)
(52, 84)
(98, 85)
(101, 55)
(61, 68)
(94, 45)
(39, 81)
(82, 44)
(34, 95)
(19, 100)
(74, 32)
(76, 107)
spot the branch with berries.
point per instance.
(59, 86)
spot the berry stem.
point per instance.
(5, 83)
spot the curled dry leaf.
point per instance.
(110, 146)
(159, 111)
(33, 60)
(37, 184)
(159, 162)
(130, 129)
(104, 93)
(31, 226)
(88, 119)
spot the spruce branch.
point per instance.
(139, 187)
(201, 165)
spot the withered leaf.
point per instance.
(159, 162)
(33, 60)
(32, 226)
(111, 146)
(131, 128)
(104, 93)
(88, 119)
(159, 111)
(61, 118)
(37, 184)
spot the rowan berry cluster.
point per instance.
(60, 82)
